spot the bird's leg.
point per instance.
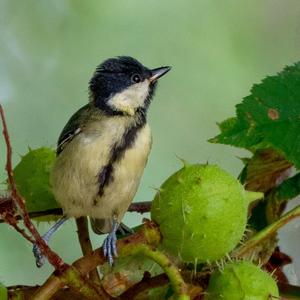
(109, 244)
(124, 230)
(39, 256)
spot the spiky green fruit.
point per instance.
(241, 281)
(202, 212)
(32, 179)
(3, 292)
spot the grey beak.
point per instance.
(158, 72)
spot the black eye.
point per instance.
(136, 78)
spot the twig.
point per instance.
(79, 283)
(146, 283)
(49, 288)
(18, 229)
(139, 207)
(266, 232)
(53, 258)
(149, 234)
(27, 292)
(288, 290)
(73, 279)
(86, 245)
(36, 214)
(178, 284)
(7, 212)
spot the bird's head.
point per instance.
(123, 86)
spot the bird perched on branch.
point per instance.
(103, 149)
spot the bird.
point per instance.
(103, 149)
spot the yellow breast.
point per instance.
(75, 176)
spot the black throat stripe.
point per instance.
(106, 174)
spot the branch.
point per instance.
(36, 214)
(148, 234)
(53, 258)
(27, 292)
(289, 291)
(139, 207)
(266, 232)
(73, 279)
(7, 212)
(178, 284)
(85, 244)
(146, 283)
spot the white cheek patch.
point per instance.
(130, 99)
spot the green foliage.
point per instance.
(126, 272)
(289, 189)
(32, 179)
(3, 292)
(241, 280)
(269, 117)
(262, 172)
(202, 212)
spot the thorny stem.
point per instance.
(266, 232)
(53, 258)
(7, 212)
(86, 245)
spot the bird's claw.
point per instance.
(40, 258)
(109, 247)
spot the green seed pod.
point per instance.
(3, 292)
(202, 213)
(241, 281)
(32, 179)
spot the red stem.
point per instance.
(53, 258)
(7, 213)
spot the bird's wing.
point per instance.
(72, 128)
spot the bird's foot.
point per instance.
(109, 244)
(40, 258)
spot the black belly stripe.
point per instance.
(106, 173)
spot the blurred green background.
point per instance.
(218, 49)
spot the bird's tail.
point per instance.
(101, 226)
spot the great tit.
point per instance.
(103, 149)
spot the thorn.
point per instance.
(157, 189)
(184, 162)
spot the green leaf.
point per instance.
(269, 117)
(289, 189)
(126, 272)
(3, 292)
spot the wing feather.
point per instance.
(72, 128)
